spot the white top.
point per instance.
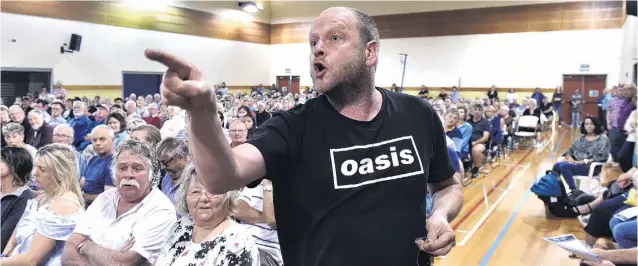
(32, 150)
(510, 97)
(231, 247)
(630, 126)
(148, 222)
(265, 236)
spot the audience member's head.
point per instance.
(117, 122)
(133, 124)
(119, 101)
(131, 107)
(504, 111)
(57, 108)
(56, 170)
(147, 133)
(63, 133)
(532, 104)
(79, 109)
(153, 110)
(591, 125)
(243, 111)
(102, 137)
(16, 113)
(16, 166)
(462, 111)
(451, 118)
(135, 170)
(238, 131)
(251, 124)
(13, 134)
(193, 195)
(477, 111)
(173, 156)
(36, 119)
(490, 112)
(4, 114)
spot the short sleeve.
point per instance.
(86, 219)
(276, 141)
(440, 167)
(247, 194)
(56, 227)
(152, 233)
(108, 177)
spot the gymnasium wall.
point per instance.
(510, 46)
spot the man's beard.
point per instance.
(346, 79)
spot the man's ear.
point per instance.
(372, 53)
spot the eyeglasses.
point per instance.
(236, 131)
(197, 194)
(61, 136)
(164, 165)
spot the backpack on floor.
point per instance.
(551, 191)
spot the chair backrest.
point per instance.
(528, 121)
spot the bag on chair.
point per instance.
(552, 192)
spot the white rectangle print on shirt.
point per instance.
(368, 164)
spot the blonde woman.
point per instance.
(133, 124)
(207, 234)
(50, 218)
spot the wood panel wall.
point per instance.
(587, 15)
(169, 19)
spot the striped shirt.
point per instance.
(265, 237)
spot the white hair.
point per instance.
(35, 112)
(532, 100)
(109, 130)
(80, 103)
(64, 125)
(505, 108)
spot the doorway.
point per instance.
(591, 86)
(141, 83)
(18, 82)
(291, 83)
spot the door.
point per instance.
(141, 83)
(283, 81)
(591, 86)
(18, 82)
(295, 84)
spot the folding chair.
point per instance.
(528, 122)
(589, 182)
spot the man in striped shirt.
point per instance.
(257, 215)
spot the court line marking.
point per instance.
(519, 206)
(493, 207)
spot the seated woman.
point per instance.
(207, 233)
(50, 218)
(15, 170)
(117, 121)
(592, 146)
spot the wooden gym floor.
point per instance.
(502, 222)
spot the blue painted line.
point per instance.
(519, 206)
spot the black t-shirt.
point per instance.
(349, 192)
(557, 97)
(479, 127)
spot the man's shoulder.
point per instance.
(158, 202)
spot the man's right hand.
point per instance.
(183, 84)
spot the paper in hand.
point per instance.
(573, 245)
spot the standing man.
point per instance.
(349, 168)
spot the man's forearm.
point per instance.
(71, 257)
(448, 201)
(99, 256)
(211, 153)
(621, 256)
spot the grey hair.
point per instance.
(64, 125)
(189, 175)
(172, 147)
(36, 112)
(532, 100)
(4, 108)
(13, 128)
(237, 120)
(81, 103)
(109, 129)
(146, 151)
(134, 123)
(368, 30)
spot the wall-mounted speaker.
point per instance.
(76, 42)
(632, 7)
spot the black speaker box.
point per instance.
(76, 42)
(632, 8)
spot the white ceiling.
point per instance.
(276, 12)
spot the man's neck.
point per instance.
(104, 155)
(359, 104)
(477, 119)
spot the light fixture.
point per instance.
(249, 6)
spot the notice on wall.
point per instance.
(593, 93)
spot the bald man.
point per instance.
(349, 169)
(97, 177)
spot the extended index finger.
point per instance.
(180, 66)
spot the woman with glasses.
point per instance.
(207, 235)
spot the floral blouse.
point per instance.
(232, 247)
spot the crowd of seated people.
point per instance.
(113, 182)
(609, 209)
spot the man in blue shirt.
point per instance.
(97, 176)
(173, 156)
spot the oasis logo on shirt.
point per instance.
(362, 165)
